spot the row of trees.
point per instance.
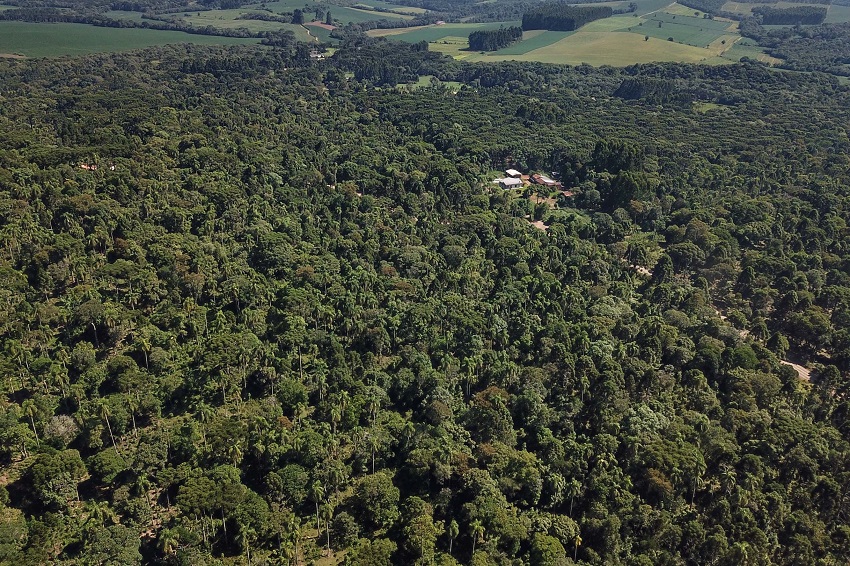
(795, 15)
(493, 40)
(559, 16)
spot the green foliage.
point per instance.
(296, 312)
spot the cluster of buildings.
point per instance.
(516, 180)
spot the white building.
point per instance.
(509, 183)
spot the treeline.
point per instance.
(558, 16)
(493, 40)
(810, 15)
(358, 28)
(708, 6)
(54, 15)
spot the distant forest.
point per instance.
(559, 16)
(808, 15)
(493, 40)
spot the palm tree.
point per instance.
(244, 537)
(168, 541)
(104, 414)
(476, 529)
(327, 515)
(454, 530)
(317, 492)
(31, 411)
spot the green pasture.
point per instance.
(536, 41)
(436, 33)
(837, 14)
(689, 30)
(53, 40)
(228, 19)
(356, 16)
(607, 48)
(345, 15)
(748, 48)
(323, 35)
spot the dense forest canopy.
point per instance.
(493, 40)
(795, 15)
(560, 16)
(255, 307)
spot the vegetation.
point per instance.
(557, 16)
(493, 40)
(795, 15)
(257, 309)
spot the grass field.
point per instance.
(344, 15)
(52, 40)
(602, 42)
(323, 35)
(437, 33)
(689, 30)
(535, 41)
(747, 48)
(605, 48)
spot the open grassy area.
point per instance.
(536, 41)
(699, 32)
(53, 40)
(228, 19)
(608, 48)
(322, 34)
(837, 14)
(437, 33)
(342, 14)
(747, 48)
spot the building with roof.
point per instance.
(513, 173)
(509, 183)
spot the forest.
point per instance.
(258, 309)
(559, 16)
(796, 15)
(493, 40)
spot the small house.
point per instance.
(513, 173)
(509, 183)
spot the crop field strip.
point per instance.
(699, 32)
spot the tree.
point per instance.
(476, 531)
(298, 16)
(375, 500)
(453, 531)
(329, 19)
(317, 493)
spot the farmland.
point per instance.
(618, 40)
(52, 40)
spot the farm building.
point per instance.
(509, 183)
(513, 173)
(544, 180)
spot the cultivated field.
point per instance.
(51, 40)
(669, 32)
(690, 30)
(608, 48)
(436, 33)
